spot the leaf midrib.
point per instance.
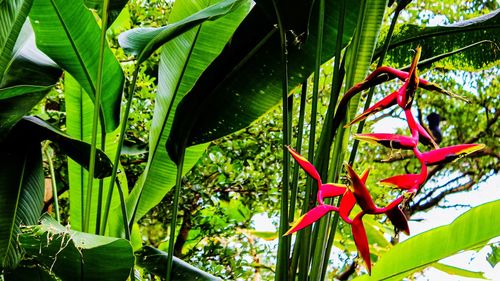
(172, 101)
(73, 45)
(13, 223)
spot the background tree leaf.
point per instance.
(155, 261)
(75, 255)
(68, 33)
(21, 194)
(469, 230)
(437, 40)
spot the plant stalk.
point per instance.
(54, 184)
(173, 222)
(387, 42)
(116, 162)
(97, 113)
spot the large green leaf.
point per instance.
(473, 228)
(38, 130)
(68, 33)
(437, 40)
(12, 16)
(144, 41)
(244, 82)
(21, 194)
(29, 75)
(182, 62)
(73, 255)
(79, 109)
(155, 261)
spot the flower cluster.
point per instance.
(357, 192)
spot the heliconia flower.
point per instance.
(389, 140)
(361, 240)
(329, 190)
(407, 91)
(310, 217)
(409, 182)
(306, 165)
(450, 153)
(417, 130)
(326, 190)
(396, 216)
(386, 102)
(365, 201)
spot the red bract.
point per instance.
(310, 217)
(450, 153)
(389, 140)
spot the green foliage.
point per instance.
(68, 33)
(471, 230)
(436, 40)
(71, 254)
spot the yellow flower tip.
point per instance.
(474, 148)
(363, 137)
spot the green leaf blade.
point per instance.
(182, 62)
(73, 254)
(472, 228)
(68, 33)
(21, 195)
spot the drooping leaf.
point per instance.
(155, 261)
(68, 33)
(76, 255)
(437, 40)
(244, 81)
(467, 231)
(145, 40)
(12, 16)
(29, 75)
(21, 194)
(79, 126)
(452, 270)
(36, 129)
(182, 61)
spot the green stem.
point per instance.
(97, 112)
(298, 148)
(116, 162)
(53, 181)
(295, 180)
(173, 222)
(283, 249)
(123, 209)
(101, 189)
(387, 42)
